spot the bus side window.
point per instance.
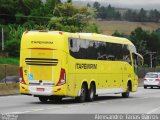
(139, 61)
(71, 43)
(134, 59)
(126, 54)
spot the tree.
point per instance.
(30, 11)
(50, 5)
(118, 34)
(70, 18)
(96, 5)
(69, 1)
(142, 15)
(52, 15)
(102, 13)
(8, 8)
(12, 44)
(110, 12)
(139, 37)
(154, 15)
(92, 28)
(131, 15)
(88, 5)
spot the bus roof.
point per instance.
(89, 36)
(100, 37)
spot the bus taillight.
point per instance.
(21, 79)
(62, 79)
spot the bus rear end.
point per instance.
(42, 64)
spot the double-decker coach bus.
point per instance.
(55, 64)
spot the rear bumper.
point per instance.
(48, 90)
(157, 83)
(151, 86)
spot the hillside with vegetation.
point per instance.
(107, 12)
(109, 27)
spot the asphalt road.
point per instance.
(145, 101)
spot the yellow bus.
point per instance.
(55, 64)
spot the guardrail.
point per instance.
(9, 80)
(9, 73)
(143, 71)
(9, 89)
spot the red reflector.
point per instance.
(21, 76)
(145, 79)
(158, 79)
(62, 79)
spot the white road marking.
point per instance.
(18, 112)
(39, 109)
(70, 106)
(153, 110)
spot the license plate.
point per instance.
(40, 89)
(150, 79)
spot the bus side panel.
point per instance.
(107, 76)
(128, 74)
(71, 84)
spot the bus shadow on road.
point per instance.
(73, 101)
(154, 88)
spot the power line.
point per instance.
(24, 16)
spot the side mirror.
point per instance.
(140, 60)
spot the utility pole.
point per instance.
(151, 57)
(2, 39)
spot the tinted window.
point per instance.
(126, 54)
(151, 76)
(97, 50)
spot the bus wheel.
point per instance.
(57, 99)
(83, 94)
(145, 87)
(43, 99)
(126, 94)
(91, 93)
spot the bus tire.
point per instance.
(56, 99)
(91, 93)
(126, 94)
(83, 94)
(43, 99)
(145, 87)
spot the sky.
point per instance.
(135, 4)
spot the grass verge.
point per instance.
(8, 70)
(7, 60)
(9, 89)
